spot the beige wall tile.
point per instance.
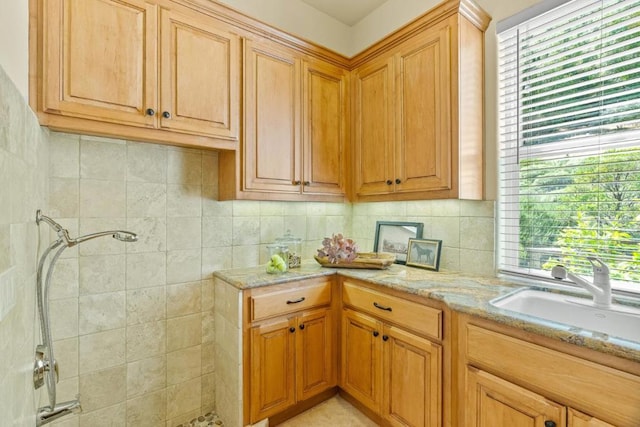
(477, 208)
(208, 357)
(184, 233)
(146, 270)
(246, 231)
(208, 390)
(217, 231)
(64, 155)
(146, 340)
(112, 416)
(146, 200)
(271, 227)
(103, 388)
(146, 375)
(101, 312)
(183, 332)
(146, 162)
(208, 294)
(148, 410)
(105, 245)
(151, 232)
(216, 259)
(183, 398)
(183, 265)
(66, 352)
(184, 364)
(101, 350)
(246, 256)
(477, 262)
(184, 166)
(146, 305)
(245, 208)
(102, 199)
(269, 208)
(446, 229)
(208, 326)
(64, 318)
(477, 233)
(183, 299)
(64, 198)
(102, 158)
(184, 200)
(64, 280)
(101, 273)
(209, 168)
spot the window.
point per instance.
(569, 122)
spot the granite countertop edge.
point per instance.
(464, 293)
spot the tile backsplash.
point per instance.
(133, 324)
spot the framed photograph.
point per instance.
(393, 237)
(424, 253)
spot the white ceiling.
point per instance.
(348, 12)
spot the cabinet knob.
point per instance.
(389, 182)
(302, 326)
(549, 424)
(166, 114)
(376, 333)
(398, 181)
(292, 329)
(150, 112)
(385, 337)
(296, 182)
(306, 183)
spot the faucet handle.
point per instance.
(599, 267)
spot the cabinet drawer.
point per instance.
(291, 299)
(408, 314)
(601, 391)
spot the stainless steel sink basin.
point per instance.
(619, 321)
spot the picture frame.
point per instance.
(424, 253)
(393, 237)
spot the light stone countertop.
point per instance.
(461, 292)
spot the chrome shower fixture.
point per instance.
(45, 367)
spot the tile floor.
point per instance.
(333, 412)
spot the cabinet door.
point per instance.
(100, 60)
(324, 128)
(412, 379)
(373, 105)
(494, 402)
(361, 374)
(272, 118)
(315, 353)
(423, 111)
(199, 82)
(578, 419)
(272, 368)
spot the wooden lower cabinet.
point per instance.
(292, 359)
(510, 379)
(394, 373)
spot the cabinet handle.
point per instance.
(381, 307)
(166, 114)
(398, 181)
(295, 301)
(306, 183)
(549, 424)
(376, 333)
(302, 326)
(292, 329)
(150, 112)
(384, 338)
(389, 182)
(296, 182)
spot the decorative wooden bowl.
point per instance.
(373, 260)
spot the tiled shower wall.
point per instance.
(23, 190)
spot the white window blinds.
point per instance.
(570, 140)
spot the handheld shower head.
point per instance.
(125, 236)
(121, 235)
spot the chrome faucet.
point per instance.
(601, 286)
(47, 414)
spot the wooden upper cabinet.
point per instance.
(138, 70)
(373, 90)
(198, 75)
(99, 60)
(324, 114)
(418, 109)
(423, 124)
(295, 128)
(272, 118)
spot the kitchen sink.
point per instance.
(619, 320)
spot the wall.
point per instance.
(23, 190)
(14, 42)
